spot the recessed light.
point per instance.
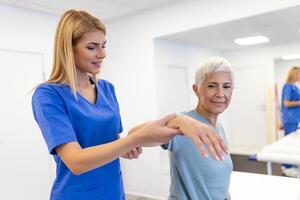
(291, 57)
(252, 40)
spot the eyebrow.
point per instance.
(218, 83)
(97, 44)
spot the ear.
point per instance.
(196, 90)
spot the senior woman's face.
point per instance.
(215, 93)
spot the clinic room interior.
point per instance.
(153, 50)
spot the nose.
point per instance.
(101, 53)
(220, 92)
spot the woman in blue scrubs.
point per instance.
(290, 107)
(290, 102)
(79, 117)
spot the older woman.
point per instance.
(192, 176)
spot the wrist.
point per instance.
(133, 139)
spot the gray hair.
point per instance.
(210, 66)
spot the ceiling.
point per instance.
(280, 27)
(106, 10)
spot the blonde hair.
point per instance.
(292, 73)
(210, 66)
(72, 25)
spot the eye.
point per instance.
(211, 86)
(227, 86)
(91, 48)
(103, 46)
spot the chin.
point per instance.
(218, 111)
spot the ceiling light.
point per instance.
(252, 40)
(291, 57)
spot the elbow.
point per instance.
(76, 169)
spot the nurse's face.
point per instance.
(215, 93)
(89, 52)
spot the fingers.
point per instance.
(220, 147)
(199, 145)
(133, 154)
(168, 133)
(163, 121)
(171, 131)
(215, 145)
(210, 146)
(224, 146)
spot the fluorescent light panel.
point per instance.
(291, 57)
(252, 40)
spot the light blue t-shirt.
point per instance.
(194, 177)
(62, 118)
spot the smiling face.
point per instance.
(214, 93)
(89, 52)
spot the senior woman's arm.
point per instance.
(201, 134)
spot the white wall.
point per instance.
(264, 57)
(27, 31)
(180, 54)
(130, 52)
(26, 40)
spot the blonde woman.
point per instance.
(290, 107)
(79, 117)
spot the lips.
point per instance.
(218, 103)
(97, 64)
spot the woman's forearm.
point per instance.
(288, 103)
(80, 160)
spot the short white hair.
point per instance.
(210, 66)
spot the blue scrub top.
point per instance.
(194, 177)
(290, 114)
(62, 118)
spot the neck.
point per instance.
(82, 80)
(210, 117)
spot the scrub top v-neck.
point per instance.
(64, 118)
(96, 91)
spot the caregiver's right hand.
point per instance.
(154, 133)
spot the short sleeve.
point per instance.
(173, 144)
(51, 116)
(287, 92)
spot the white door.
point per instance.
(246, 117)
(24, 161)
